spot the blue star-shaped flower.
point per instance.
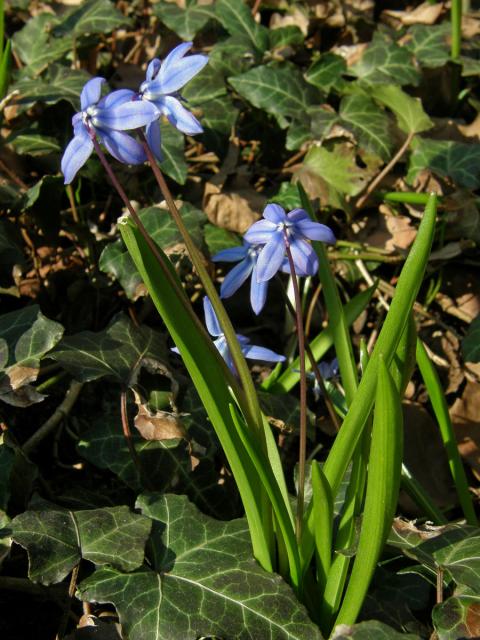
(297, 227)
(106, 119)
(163, 81)
(248, 256)
(250, 351)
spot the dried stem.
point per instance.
(71, 592)
(60, 412)
(128, 436)
(387, 168)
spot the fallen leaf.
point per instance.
(465, 415)
(425, 13)
(235, 211)
(296, 17)
(388, 232)
(96, 628)
(461, 284)
(157, 425)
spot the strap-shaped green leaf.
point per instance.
(208, 372)
(406, 291)
(382, 492)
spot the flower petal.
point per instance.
(253, 352)
(275, 213)
(129, 115)
(270, 258)
(304, 257)
(260, 232)
(233, 254)
(258, 292)
(211, 320)
(154, 139)
(315, 231)
(297, 214)
(236, 277)
(153, 68)
(91, 92)
(123, 147)
(116, 98)
(180, 117)
(76, 154)
(177, 70)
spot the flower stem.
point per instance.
(251, 399)
(302, 455)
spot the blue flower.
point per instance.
(163, 81)
(248, 255)
(249, 350)
(271, 232)
(328, 371)
(107, 119)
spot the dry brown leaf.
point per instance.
(425, 13)
(471, 130)
(96, 628)
(157, 425)
(470, 26)
(296, 17)
(465, 415)
(388, 232)
(235, 211)
(461, 284)
(425, 457)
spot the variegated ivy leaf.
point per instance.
(369, 123)
(117, 352)
(384, 61)
(457, 161)
(26, 335)
(203, 582)
(458, 617)
(91, 16)
(185, 21)
(56, 539)
(429, 44)
(326, 72)
(116, 261)
(237, 19)
(278, 89)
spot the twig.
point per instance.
(439, 585)
(386, 169)
(370, 281)
(72, 204)
(256, 7)
(60, 412)
(71, 592)
(311, 308)
(128, 436)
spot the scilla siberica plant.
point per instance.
(301, 543)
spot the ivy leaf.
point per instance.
(173, 144)
(455, 160)
(369, 124)
(186, 21)
(26, 335)
(209, 564)
(332, 174)
(408, 111)
(462, 560)
(218, 118)
(57, 539)
(326, 72)
(322, 120)
(103, 445)
(281, 37)
(218, 239)
(279, 90)
(236, 17)
(117, 352)
(7, 460)
(60, 83)
(36, 47)
(458, 617)
(232, 56)
(207, 85)
(298, 133)
(370, 630)
(116, 260)
(471, 342)
(92, 16)
(29, 142)
(386, 62)
(429, 44)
